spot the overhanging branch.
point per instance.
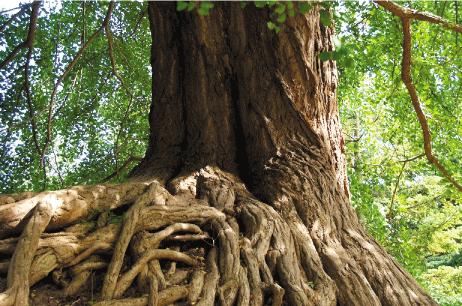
(406, 15)
(403, 12)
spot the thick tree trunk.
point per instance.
(245, 137)
(229, 92)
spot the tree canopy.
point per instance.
(408, 204)
(75, 92)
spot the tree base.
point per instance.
(211, 242)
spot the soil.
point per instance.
(46, 293)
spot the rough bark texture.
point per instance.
(242, 196)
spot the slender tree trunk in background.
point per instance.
(232, 97)
(242, 197)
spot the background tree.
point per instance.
(244, 151)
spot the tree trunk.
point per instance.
(245, 136)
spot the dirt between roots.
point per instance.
(46, 293)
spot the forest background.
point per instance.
(98, 136)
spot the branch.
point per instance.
(124, 166)
(403, 12)
(407, 80)
(69, 68)
(139, 21)
(114, 71)
(29, 98)
(111, 158)
(30, 36)
(406, 15)
(23, 8)
(411, 158)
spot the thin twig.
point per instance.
(396, 186)
(139, 21)
(132, 96)
(23, 8)
(124, 166)
(411, 158)
(69, 68)
(110, 158)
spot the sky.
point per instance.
(14, 4)
(10, 4)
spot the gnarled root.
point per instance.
(165, 297)
(248, 250)
(19, 268)
(254, 255)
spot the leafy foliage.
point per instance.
(407, 204)
(204, 8)
(92, 115)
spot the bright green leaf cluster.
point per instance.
(341, 53)
(204, 8)
(286, 9)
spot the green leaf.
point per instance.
(243, 4)
(325, 56)
(271, 25)
(291, 13)
(207, 5)
(282, 18)
(336, 55)
(260, 4)
(203, 11)
(325, 4)
(280, 9)
(325, 18)
(181, 5)
(274, 27)
(304, 7)
(191, 6)
(289, 4)
(336, 14)
(337, 42)
(349, 63)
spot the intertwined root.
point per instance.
(220, 244)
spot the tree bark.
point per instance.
(244, 180)
(230, 93)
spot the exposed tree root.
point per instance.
(165, 297)
(19, 268)
(241, 251)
